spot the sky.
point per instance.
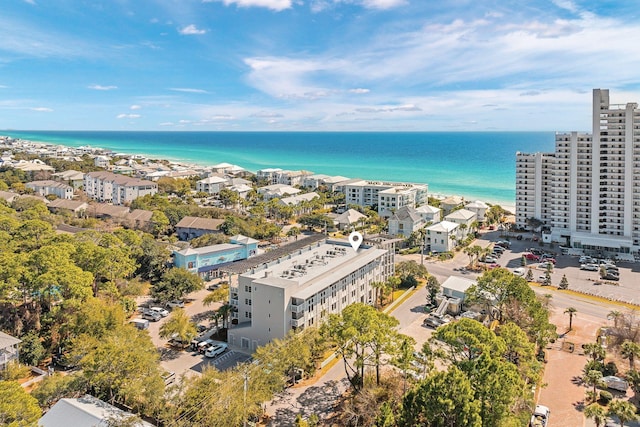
(314, 65)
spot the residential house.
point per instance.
(387, 196)
(302, 289)
(116, 189)
(75, 207)
(207, 260)
(405, 221)
(465, 219)
(35, 165)
(479, 207)
(441, 237)
(87, 411)
(349, 219)
(277, 191)
(106, 211)
(191, 227)
(8, 196)
(71, 177)
(449, 204)
(454, 293)
(102, 162)
(429, 213)
(212, 184)
(44, 188)
(8, 349)
(269, 174)
(299, 199)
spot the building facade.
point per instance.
(206, 261)
(586, 192)
(44, 188)
(301, 290)
(117, 189)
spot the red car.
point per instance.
(531, 257)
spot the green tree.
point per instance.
(443, 399)
(571, 311)
(152, 260)
(17, 407)
(564, 283)
(32, 352)
(208, 240)
(225, 313)
(159, 223)
(633, 377)
(623, 410)
(433, 287)
(175, 284)
(615, 316)
(630, 350)
(547, 278)
(179, 325)
(593, 379)
(597, 413)
(55, 387)
(228, 197)
(529, 276)
(594, 351)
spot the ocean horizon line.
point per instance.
(474, 165)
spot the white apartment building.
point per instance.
(117, 189)
(211, 185)
(587, 191)
(387, 196)
(46, 187)
(301, 290)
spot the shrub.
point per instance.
(609, 369)
(605, 397)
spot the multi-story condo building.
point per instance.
(46, 187)
(387, 196)
(587, 192)
(117, 189)
(301, 290)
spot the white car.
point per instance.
(176, 303)
(215, 350)
(540, 417)
(585, 259)
(544, 265)
(520, 271)
(161, 311)
(589, 267)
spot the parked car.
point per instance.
(175, 303)
(615, 383)
(545, 265)
(141, 324)
(531, 256)
(151, 315)
(520, 271)
(504, 243)
(535, 251)
(610, 276)
(584, 259)
(498, 249)
(540, 417)
(431, 322)
(213, 286)
(215, 350)
(204, 345)
(589, 267)
(489, 259)
(551, 260)
(161, 311)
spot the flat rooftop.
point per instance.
(312, 270)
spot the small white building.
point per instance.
(211, 185)
(102, 162)
(404, 222)
(464, 218)
(479, 207)
(44, 188)
(429, 213)
(277, 191)
(441, 237)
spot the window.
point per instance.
(191, 264)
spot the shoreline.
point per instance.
(183, 163)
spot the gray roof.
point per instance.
(87, 411)
(7, 340)
(405, 213)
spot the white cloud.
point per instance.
(389, 109)
(191, 30)
(382, 4)
(128, 116)
(359, 90)
(30, 1)
(100, 87)
(135, 107)
(277, 5)
(166, 124)
(267, 115)
(187, 90)
(42, 109)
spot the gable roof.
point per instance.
(478, 204)
(406, 213)
(428, 209)
(463, 214)
(443, 227)
(7, 340)
(349, 217)
(200, 223)
(452, 200)
(87, 411)
(457, 283)
(243, 240)
(71, 205)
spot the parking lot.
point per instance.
(589, 282)
(187, 362)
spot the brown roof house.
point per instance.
(75, 207)
(191, 227)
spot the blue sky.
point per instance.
(412, 65)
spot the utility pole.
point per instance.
(245, 376)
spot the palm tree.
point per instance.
(225, 312)
(597, 413)
(594, 351)
(179, 325)
(623, 410)
(615, 316)
(378, 288)
(630, 350)
(593, 378)
(571, 312)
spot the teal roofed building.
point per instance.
(207, 260)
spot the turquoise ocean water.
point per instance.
(476, 165)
